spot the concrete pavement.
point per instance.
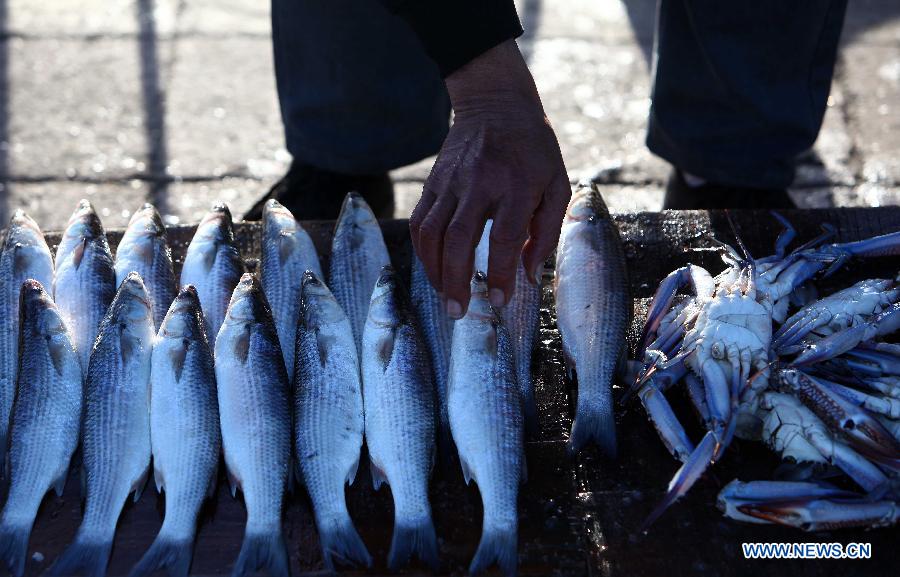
(173, 101)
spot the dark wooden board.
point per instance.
(577, 516)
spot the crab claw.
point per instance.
(666, 423)
(738, 494)
(837, 254)
(687, 475)
(811, 514)
(886, 359)
(699, 279)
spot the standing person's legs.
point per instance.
(358, 97)
(740, 88)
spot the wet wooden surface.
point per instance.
(577, 516)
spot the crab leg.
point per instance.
(699, 279)
(697, 395)
(883, 323)
(882, 406)
(887, 362)
(737, 494)
(666, 423)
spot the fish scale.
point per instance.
(145, 250)
(486, 419)
(45, 417)
(24, 255)
(85, 281)
(184, 431)
(328, 418)
(253, 398)
(521, 316)
(116, 426)
(593, 311)
(358, 253)
(398, 395)
(287, 253)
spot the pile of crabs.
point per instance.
(820, 387)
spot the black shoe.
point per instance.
(314, 194)
(680, 196)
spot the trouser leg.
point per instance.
(358, 94)
(740, 88)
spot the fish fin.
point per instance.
(324, 343)
(78, 252)
(351, 474)
(177, 356)
(341, 541)
(378, 476)
(408, 539)
(128, 346)
(58, 352)
(466, 471)
(233, 483)
(593, 425)
(60, 483)
(14, 547)
(173, 555)
(82, 558)
(158, 479)
(385, 350)
(259, 551)
(242, 346)
(141, 483)
(500, 546)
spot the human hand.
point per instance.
(500, 160)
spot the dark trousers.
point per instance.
(739, 87)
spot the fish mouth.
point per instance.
(31, 285)
(154, 224)
(275, 208)
(310, 279)
(387, 277)
(21, 219)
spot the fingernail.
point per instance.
(454, 310)
(497, 298)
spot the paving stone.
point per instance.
(75, 108)
(187, 202)
(872, 80)
(225, 17)
(222, 113)
(51, 203)
(872, 22)
(632, 198)
(90, 17)
(591, 19)
(406, 195)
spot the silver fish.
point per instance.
(287, 252)
(184, 431)
(24, 255)
(437, 330)
(145, 250)
(399, 407)
(116, 427)
(256, 423)
(486, 420)
(522, 318)
(85, 281)
(328, 418)
(45, 420)
(593, 310)
(213, 265)
(357, 254)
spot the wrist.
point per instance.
(496, 81)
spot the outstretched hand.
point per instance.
(500, 160)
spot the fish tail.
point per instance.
(169, 553)
(83, 557)
(341, 541)
(262, 550)
(593, 422)
(416, 537)
(14, 547)
(498, 545)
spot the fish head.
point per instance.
(586, 205)
(146, 221)
(276, 217)
(216, 226)
(38, 311)
(248, 302)
(25, 240)
(131, 305)
(318, 306)
(356, 221)
(388, 307)
(184, 320)
(84, 223)
(480, 306)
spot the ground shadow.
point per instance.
(154, 102)
(4, 115)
